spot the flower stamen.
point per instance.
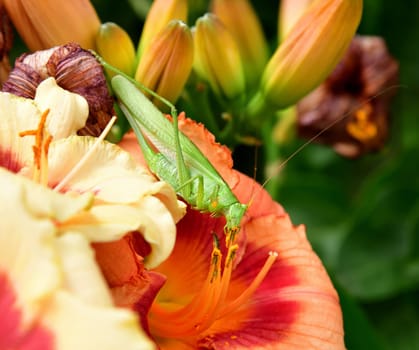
(252, 287)
(40, 149)
(210, 303)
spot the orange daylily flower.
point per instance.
(294, 307)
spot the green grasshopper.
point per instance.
(177, 160)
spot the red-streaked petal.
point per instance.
(295, 307)
(10, 160)
(12, 334)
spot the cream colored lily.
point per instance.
(52, 293)
(126, 196)
(54, 205)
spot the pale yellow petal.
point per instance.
(27, 253)
(82, 276)
(81, 326)
(17, 114)
(127, 197)
(104, 223)
(27, 239)
(158, 229)
(68, 111)
(112, 174)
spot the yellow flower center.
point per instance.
(362, 127)
(40, 149)
(210, 303)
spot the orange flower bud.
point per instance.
(48, 23)
(160, 14)
(166, 64)
(289, 13)
(312, 49)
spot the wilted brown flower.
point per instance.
(351, 108)
(74, 69)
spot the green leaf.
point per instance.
(359, 332)
(379, 257)
(397, 321)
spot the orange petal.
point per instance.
(295, 307)
(122, 265)
(130, 144)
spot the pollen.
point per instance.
(362, 127)
(40, 149)
(212, 302)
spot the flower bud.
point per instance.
(289, 13)
(311, 50)
(48, 23)
(242, 22)
(116, 47)
(166, 64)
(217, 57)
(160, 14)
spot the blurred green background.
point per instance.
(362, 216)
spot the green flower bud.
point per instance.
(217, 57)
(242, 22)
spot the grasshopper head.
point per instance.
(234, 215)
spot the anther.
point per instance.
(362, 128)
(40, 149)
